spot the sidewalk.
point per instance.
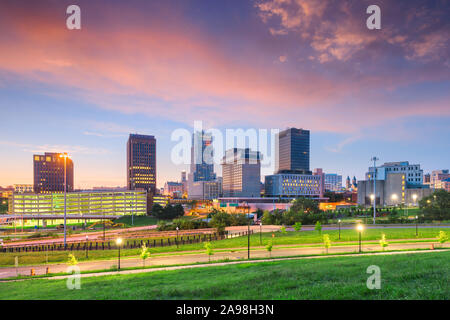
(202, 257)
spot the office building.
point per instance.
(206, 190)
(23, 188)
(141, 163)
(173, 189)
(437, 179)
(293, 185)
(48, 172)
(241, 171)
(293, 151)
(333, 182)
(393, 187)
(202, 164)
(413, 173)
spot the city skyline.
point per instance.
(161, 66)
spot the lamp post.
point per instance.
(260, 233)
(119, 242)
(339, 224)
(414, 196)
(177, 236)
(417, 220)
(87, 255)
(360, 228)
(65, 156)
(394, 198)
(248, 233)
(374, 159)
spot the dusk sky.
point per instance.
(151, 67)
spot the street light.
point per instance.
(394, 198)
(177, 236)
(339, 224)
(87, 238)
(414, 196)
(360, 229)
(417, 220)
(65, 156)
(374, 159)
(248, 233)
(119, 242)
(260, 233)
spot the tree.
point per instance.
(436, 206)
(305, 205)
(326, 242)
(283, 230)
(157, 210)
(209, 250)
(71, 260)
(144, 254)
(443, 238)
(318, 227)
(383, 242)
(269, 247)
(220, 220)
(297, 226)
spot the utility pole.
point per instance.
(374, 159)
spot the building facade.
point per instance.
(293, 151)
(438, 179)
(293, 185)
(206, 190)
(23, 188)
(241, 171)
(202, 165)
(89, 203)
(393, 190)
(48, 173)
(173, 189)
(333, 182)
(413, 173)
(141, 163)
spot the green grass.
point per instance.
(290, 238)
(405, 276)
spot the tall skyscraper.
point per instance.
(202, 165)
(241, 171)
(293, 151)
(49, 173)
(141, 162)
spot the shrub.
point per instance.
(318, 227)
(71, 260)
(326, 242)
(269, 247)
(297, 226)
(383, 242)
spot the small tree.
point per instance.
(71, 260)
(145, 253)
(297, 226)
(318, 227)
(209, 250)
(326, 242)
(443, 238)
(269, 247)
(383, 242)
(283, 230)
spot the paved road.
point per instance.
(201, 257)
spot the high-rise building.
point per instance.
(333, 182)
(49, 173)
(293, 151)
(141, 163)
(202, 165)
(241, 171)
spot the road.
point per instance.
(202, 257)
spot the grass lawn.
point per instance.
(405, 276)
(290, 238)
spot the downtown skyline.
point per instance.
(253, 64)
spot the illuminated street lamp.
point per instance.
(65, 156)
(260, 233)
(177, 236)
(414, 196)
(87, 238)
(339, 224)
(360, 229)
(119, 242)
(417, 220)
(394, 198)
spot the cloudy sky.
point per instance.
(151, 67)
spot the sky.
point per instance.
(152, 67)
